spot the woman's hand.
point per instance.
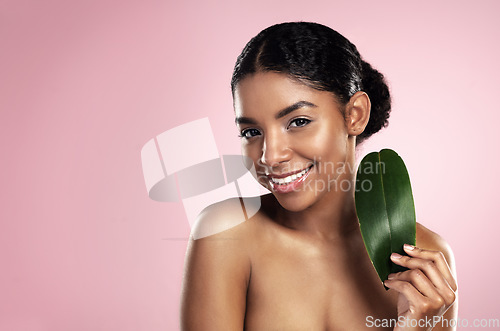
(426, 291)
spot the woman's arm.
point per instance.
(428, 290)
(216, 277)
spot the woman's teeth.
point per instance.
(289, 179)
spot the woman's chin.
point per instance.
(293, 202)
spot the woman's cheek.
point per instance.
(252, 159)
(251, 152)
(315, 143)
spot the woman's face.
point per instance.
(295, 135)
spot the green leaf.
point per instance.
(385, 208)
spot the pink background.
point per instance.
(85, 84)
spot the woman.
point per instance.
(303, 100)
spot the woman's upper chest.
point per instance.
(298, 284)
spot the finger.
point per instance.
(418, 304)
(437, 257)
(427, 266)
(431, 271)
(414, 297)
(419, 280)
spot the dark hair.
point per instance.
(321, 58)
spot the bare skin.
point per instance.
(300, 263)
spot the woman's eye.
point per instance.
(249, 133)
(298, 122)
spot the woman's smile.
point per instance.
(290, 182)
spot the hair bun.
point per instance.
(374, 84)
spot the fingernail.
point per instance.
(409, 247)
(396, 256)
(391, 276)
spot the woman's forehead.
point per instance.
(271, 92)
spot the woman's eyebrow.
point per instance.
(280, 114)
(244, 120)
(295, 106)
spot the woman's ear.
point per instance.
(357, 113)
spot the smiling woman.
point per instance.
(285, 140)
(303, 100)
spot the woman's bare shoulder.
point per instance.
(226, 217)
(217, 269)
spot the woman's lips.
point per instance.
(288, 182)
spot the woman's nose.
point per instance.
(275, 150)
